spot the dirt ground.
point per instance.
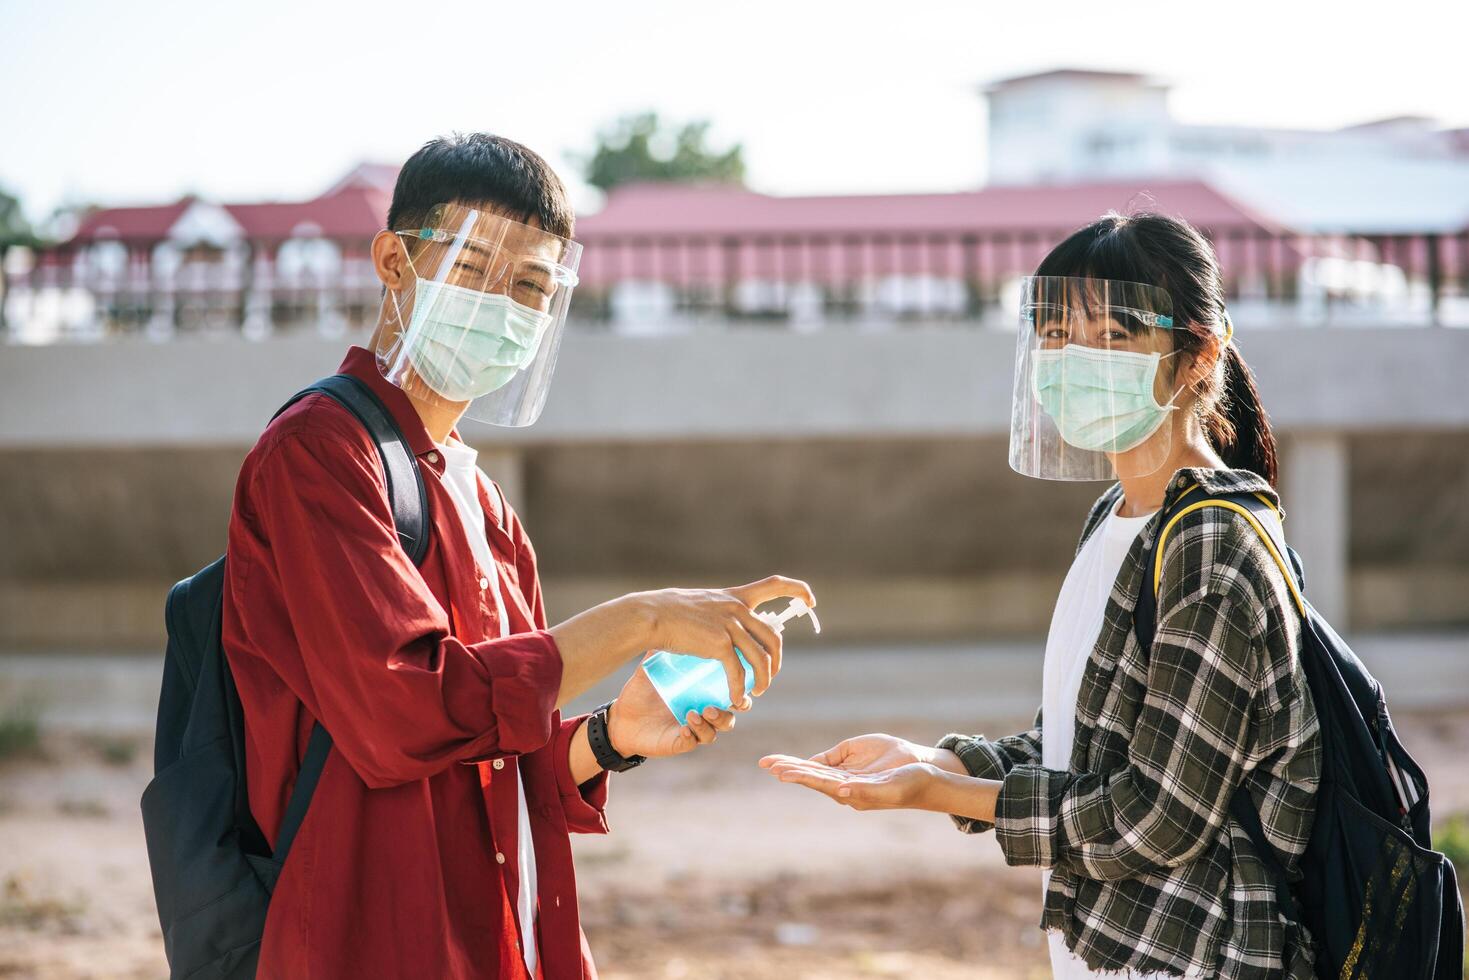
(713, 869)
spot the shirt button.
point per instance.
(498, 763)
(433, 457)
(484, 583)
(499, 858)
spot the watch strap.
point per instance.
(601, 742)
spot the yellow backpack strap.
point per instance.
(1285, 570)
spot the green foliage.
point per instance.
(1452, 837)
(15, 231)
(115, 750)
(14, 228)
(22, 907)
(20, 730)
(642, 148)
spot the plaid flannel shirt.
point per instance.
(1150, 873)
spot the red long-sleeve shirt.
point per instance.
(406, 863)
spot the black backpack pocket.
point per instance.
(1375, 897)
(212, 899)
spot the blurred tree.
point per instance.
(642, 148)
(15, 232)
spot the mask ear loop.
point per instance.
(1223, 343)
(1169, 405)
(393, 293)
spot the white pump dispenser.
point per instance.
(687, 683)
(797, 608)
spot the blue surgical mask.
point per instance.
(1100, 400)
(465, 343)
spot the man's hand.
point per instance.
(639, 723)
(713, 623)
(708, 623)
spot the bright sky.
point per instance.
(138, 103)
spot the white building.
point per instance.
(1070, 126)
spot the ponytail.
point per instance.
(1239, 427)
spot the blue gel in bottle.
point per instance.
(687, 683)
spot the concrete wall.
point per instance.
(872, 463)
(930, 535)
(761, 384)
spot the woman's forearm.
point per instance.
(946, 760)
(963, 796)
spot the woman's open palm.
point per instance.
(873, 753)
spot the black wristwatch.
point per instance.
(608, 757)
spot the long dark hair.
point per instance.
(1171, 254)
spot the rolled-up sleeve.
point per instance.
(525, 678)
(992, 759)
(402, 698)
(1186, 756)
(585, 805)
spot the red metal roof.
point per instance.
(141, 224)
(700, 234)
(355, 211)
(643, 210)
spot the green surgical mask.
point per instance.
(1100, 400)
(465, 343)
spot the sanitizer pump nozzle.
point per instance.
(687, 683)
(798, 607)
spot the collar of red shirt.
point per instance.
(361, 364)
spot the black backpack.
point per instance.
(212, 869)
(1376, 898)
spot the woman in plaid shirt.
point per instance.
(1128, 371)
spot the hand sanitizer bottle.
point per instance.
(688, 683)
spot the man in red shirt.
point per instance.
(436, 844)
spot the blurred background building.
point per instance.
(817, 384)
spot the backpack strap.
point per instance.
(409, 501)
(1248, 506)
(312, 764)
(1144, 623)
(404, 480)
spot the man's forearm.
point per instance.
(580, 759)
(595, 643)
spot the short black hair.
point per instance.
(480, 168)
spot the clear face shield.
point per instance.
(478, 324)
(1095, 385)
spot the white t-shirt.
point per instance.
(1075, 626)
(461, 477)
